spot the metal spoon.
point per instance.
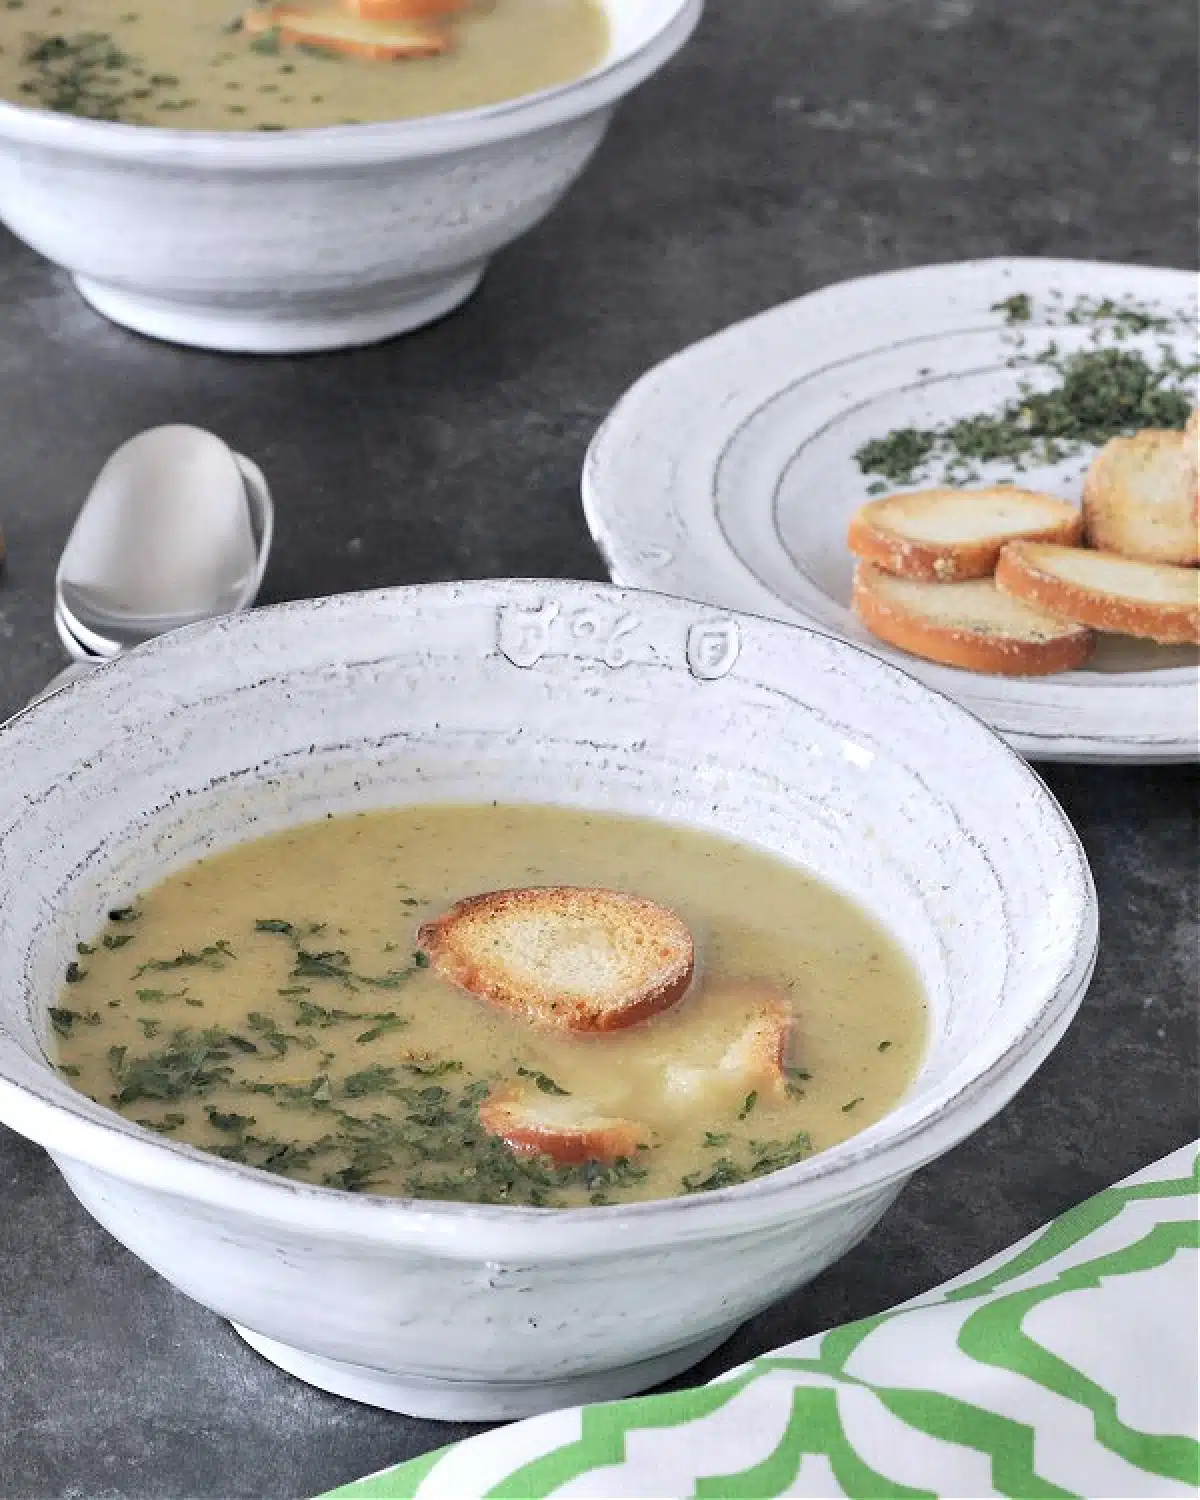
(177, 528)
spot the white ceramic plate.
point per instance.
(728, 474)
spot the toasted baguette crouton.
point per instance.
(970, 625)
(759, 1054)
(1105, 591)
(403, 10)
(1139, 498)
(945, 535)
(753, 1062)
(561, 956)
(567, 1130)
(333, 29)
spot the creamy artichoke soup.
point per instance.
(273, 1004)
(210, 65)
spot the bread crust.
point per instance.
(873, 540)
(973, 651)
(331, 30)
(512, 1115)
(667, 957)
(1023, 573)
(403, 10)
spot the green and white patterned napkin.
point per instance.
(1064, 1366)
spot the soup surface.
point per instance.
(147, 62)
(269, 1004)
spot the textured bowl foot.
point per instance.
(365, 316)
(476, 1400)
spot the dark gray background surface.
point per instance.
(795, 143)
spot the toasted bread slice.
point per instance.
(1104, 590)
(562, 956)
(945, 535)
(567, 1130)
(755, 1061)
(970, 625)
(404, 10)
(333, 29)
(1139, 498)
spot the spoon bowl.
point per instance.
(176, 529)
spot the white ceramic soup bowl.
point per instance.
(568, 693)
(311, 239)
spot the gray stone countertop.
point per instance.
(796, 142)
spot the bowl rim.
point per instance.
(382, 140)
(863, 1164)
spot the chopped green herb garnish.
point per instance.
(389, 1022)
(750, 1102)
(1016, 309)
(716, 1137)
(434, 1069)
(899, 456)
(1126, 317)
(853, 1104)
(63, 1019)
(123, 914)
(725, 1173)
(543, 1081)
(118, 940)
(369, 1081)
(74, 973)
(190, 1064)
(1101, 393)
(883, 1046)
(330, 964)
(771, 1156)
(211, 957)
(765, 1156)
